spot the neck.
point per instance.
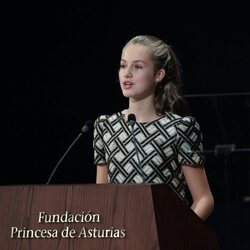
(144, 110)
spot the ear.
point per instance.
(160, 75)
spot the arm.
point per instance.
(203, 201)
(102, 174)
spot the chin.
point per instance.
(126, 94)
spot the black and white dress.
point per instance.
(164, 145)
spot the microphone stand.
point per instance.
(87, 126)
(64, 155)
(132, 121)
(225, 150)
(137, 154)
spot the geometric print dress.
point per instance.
(163, 146)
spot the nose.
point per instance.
(128, 72)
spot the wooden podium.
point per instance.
(99, 217)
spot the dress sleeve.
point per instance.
(98, 142)
(189, 142)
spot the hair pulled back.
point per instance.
(168, 96)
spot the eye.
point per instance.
(122, 66)
(138, 66)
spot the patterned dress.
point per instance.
(163, 146)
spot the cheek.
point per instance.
(148, 79)
(119, 75)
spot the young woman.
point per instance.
(169, 145)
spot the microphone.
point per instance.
(132, 121)
(87, 126)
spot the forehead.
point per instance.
(135, 52)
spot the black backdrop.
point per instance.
(62, 60)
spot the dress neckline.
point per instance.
(143, 123)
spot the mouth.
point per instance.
(127, 85)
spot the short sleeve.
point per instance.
(98, 142)
(189, 142)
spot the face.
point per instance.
(136, 73)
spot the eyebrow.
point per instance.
(134, 61)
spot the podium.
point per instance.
(99, 217)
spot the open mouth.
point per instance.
(127, 85)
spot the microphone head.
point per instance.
(131, 119)
(88, 125)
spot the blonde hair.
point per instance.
(167, 94)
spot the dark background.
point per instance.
(62, 60)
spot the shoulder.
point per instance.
(189, 129)
(188, 122)
(104, 118)
(183, 123)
